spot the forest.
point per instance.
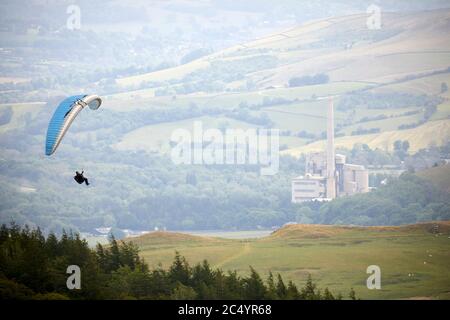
(403, 200)
(33, 267)
(147, 191)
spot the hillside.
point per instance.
(407, 44)
(437, 132)
(315, 231)
(165, 238)
(409, 55)
(255, 76)
(388, 85)
(413, 258)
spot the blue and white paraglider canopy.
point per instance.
(63, 117)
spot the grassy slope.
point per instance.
(426, 85)
(157, 137)
(437, 132)
(414, 261)
(418, 43)
(319, 46)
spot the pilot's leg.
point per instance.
(86, 181)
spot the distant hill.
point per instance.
(413, 258)
(313, 231)
(164, 237)
(439, 175)
(296, 232)
(124, 147)
(343, 47)
(437, 132)
(408, 55)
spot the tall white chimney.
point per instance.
(331, 170)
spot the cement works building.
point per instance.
(327, 175)
(348, 179)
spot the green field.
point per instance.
(157, 137)
(389, 124)
(424, 85)
(414, 260)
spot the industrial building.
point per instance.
(327, 175)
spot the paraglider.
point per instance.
(62, 118)
(80, 178)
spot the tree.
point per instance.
(182, 292)
(308, 80)
(327, 295)
(254, 286)
(271, 293)
(304, 215)
(114, 254)
(352, 294)
(179, 270)
(292, 292)
(281, 288)
(117, 272)
(401, 148)
(308, 292)
(444, 87)
(405, 145)
(203, 280)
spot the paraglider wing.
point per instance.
(63, 117)
(93, 101)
